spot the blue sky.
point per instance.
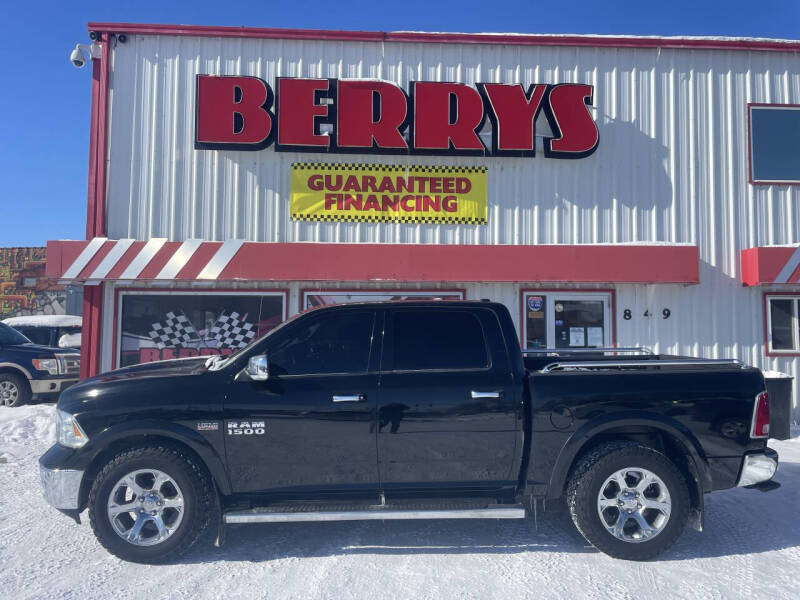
(44, 101)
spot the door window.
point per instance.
(566, 320)
(435, 340)
(337, 342)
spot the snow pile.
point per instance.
(44, 321)
(750, 549)
(70, 340)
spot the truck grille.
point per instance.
(70, 364)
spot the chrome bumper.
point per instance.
(757, 468)
(50, 386)
(61, 487)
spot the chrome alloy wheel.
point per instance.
(9, 393)
(634, 505)
(145, 507)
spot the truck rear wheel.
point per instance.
(14, 390)
(628, 500)
(151, 504)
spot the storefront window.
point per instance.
(326, 297)
(774, 152)
(782, 323)
(567, 320)
(165, 325)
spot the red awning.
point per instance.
(765, 265)
(101, 259)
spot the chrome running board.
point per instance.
(514, 511)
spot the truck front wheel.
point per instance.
(14, 390)
(151, 504)
(628, 500)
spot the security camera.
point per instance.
(78, 56)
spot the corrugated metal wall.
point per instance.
(671, 165)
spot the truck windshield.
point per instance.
(11, 337)
(215, 363)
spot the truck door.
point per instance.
(311, 425)
(449, 410)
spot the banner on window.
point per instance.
(164, 326)
(396, 193)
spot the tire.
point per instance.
(188, 503)
(597, 472)
(14, 390)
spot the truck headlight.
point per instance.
(68, 432)
(51, 365)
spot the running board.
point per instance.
(266, 516)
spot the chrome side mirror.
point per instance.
(258, 367)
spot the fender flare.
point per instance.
(584, 434)
(165, 429)
(16, 367)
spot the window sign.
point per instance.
(782, 324)
(567, 320)
(167, 325)
(775, 143)
(326, 297)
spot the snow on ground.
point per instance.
(750, 549)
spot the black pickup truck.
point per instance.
(406, 410)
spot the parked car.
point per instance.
(405, 410)
(59, 331)
(28, 369)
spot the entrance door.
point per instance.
(449, 411)
(311, 425)
(554, 319)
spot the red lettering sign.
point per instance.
(568, 114)
(377, 116)
(299, 122)
(233, 112)
(370, 114)
(513, 113)
(447, 115)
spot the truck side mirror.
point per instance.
(258, 367)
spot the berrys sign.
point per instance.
(354, 115)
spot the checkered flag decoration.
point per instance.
(177, 332)
(232, 332)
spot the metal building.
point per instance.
(622, 190)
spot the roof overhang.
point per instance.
(159, 260)
(768, 265)
(431, 37)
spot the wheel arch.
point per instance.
(663, 433)
(115, 440)
(14, 368)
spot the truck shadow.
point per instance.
(737, 522)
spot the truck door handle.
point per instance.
(349, 398)
(486, 395)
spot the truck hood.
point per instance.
(137, 384)
(162, 368)
(37, 350)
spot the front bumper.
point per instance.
(61, 487)
(50, 386)
(758, 468)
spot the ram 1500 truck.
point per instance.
(28, 369)
(405, 410)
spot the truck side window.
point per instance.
(438, 339)
(337, 342)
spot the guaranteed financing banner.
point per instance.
(396, 193)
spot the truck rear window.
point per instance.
(428, 340)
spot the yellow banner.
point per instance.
(398, 193)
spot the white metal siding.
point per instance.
(671, 166)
